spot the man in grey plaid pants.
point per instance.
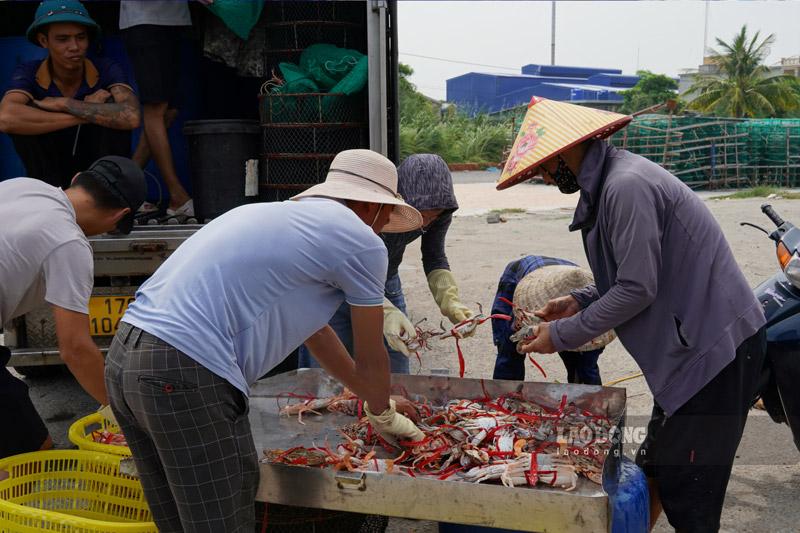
(228, 306)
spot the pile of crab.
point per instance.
(421, 340)
(509, 438)
(108, 437)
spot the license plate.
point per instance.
(105, 312)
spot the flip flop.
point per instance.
(186, 210)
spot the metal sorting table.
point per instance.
(537, 508)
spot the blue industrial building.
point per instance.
(491, 93)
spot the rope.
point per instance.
(624, 378)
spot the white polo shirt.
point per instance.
(254, 284)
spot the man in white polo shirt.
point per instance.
(45, 257)
(229, 305)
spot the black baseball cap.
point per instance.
(126, 181)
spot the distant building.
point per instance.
(789, 66)
(493, 93)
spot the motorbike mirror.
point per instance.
(753, 226)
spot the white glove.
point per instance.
(392, 426)
(397, 328)
(108, 414)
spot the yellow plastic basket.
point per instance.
(80, 434)
(71, 491)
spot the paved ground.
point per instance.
(765, 486)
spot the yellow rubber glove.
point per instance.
(396, 328)
(445, 292)
(393, 426)
(108, 414)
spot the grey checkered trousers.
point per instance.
(189, 434)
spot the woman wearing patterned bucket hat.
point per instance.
(424, 182)
(526, 285)
(667, 283)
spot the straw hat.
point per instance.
(546, 283)
(550, 128)
(367, 176)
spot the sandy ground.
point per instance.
(765, 485)
(479, 198)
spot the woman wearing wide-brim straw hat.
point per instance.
(424, 181)
(526, 285)
(226, 308)
(667, 283)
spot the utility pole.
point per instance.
(705, 35)
(553, 33)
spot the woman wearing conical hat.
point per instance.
(667, 283)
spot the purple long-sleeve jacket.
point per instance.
(665, 277)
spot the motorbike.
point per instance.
(780, 298)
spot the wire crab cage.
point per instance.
(303, 132)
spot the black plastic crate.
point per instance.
(312, 108)
(300, 34)
(352, 11)
(277, 195)
(317, 139)
(295, 172)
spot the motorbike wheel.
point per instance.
(780, 397)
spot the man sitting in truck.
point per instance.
(229, 305)
(66, 111)
(45, 256)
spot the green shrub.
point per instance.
(453, 135)
(458, 138)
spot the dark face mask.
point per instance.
(566, 180)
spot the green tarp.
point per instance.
(238, 15)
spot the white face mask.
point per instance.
(372, 226)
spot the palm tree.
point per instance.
(744, 87)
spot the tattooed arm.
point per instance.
(122, 114)
(18, 117)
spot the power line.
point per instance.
(513, 69)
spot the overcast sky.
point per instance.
(664, 36)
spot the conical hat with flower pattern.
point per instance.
(551, 127)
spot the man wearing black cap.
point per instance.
(45, 256)
(66, 111)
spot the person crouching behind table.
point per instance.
(425, 183)
(529, 283)
(227, 307)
